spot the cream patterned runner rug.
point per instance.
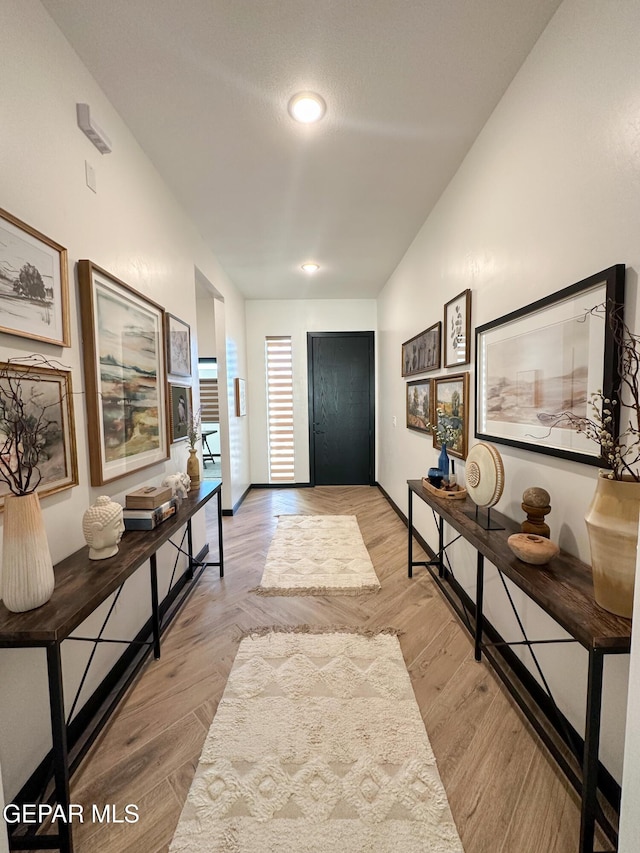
(318, 555)
(317, 746)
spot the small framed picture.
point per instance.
(422, 353)
(419, 412)
(180, 407)
(241, 397)
(457, 330)
(451, 411)
(38, 402)
(178, 340)
(34, 285)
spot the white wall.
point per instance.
(295, 318)
(548, 194)
(133, 228)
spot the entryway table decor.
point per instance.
(317, 746)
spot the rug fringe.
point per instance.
(315, 590)
(264, 630)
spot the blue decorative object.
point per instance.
(435, 477)
(443, 463)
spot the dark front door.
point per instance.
(341, 408)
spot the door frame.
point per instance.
(372, 402)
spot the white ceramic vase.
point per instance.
(612, 523)
(27, 570)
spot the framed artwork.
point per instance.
(451, 410)
(241, 397)
(422, 353)
(180, 407)
(419, 412)
(124, 372)
(34, 285)
(46, 408)
(457, 330)
(178, 340)
(547, 359)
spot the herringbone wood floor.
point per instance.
(505, 793)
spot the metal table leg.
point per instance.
(590, 760)
(220, 554)
(410, 529)
(190, 550)
(155, 611)
(59, 738)
(479, 596)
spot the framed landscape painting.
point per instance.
(451, 409)
(422, 353)
(34, 285)
(457, 330)
(545, 360)
(241, 397)
(419, 412)
(124, 376)
(180, 406)
(46, 412)
(178, 334)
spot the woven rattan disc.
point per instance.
(485, 474)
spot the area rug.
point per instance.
(318, 555)
(317, 746)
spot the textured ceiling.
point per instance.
(204, 85)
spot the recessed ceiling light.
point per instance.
(307, 107)
(310, 268)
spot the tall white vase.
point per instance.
(27, 570)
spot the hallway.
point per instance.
(505, 794)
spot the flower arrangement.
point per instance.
(443, 431)
(193, 428)
(25, 425)
(619, 440)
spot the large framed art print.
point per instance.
(124, 376)
(546, 360)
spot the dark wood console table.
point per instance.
(82, 585)
(563, 589)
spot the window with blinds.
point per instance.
(280, 409)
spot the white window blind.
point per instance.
(210, 409)
(280, 409)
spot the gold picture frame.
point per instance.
(125, 379)
(34, 283)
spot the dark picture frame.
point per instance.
(180, 408)
(178, 343)
(457, 330)
(450, 404)
(419, 405)
(34, 283)
(47, 395)
(125, 379)
(547, 358)
(421, 353)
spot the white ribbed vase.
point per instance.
(27, 570)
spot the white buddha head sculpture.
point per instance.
(103, 527)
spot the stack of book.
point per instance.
(148, 507)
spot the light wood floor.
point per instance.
(505, 793)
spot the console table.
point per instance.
(563, 589)
(82, 585)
